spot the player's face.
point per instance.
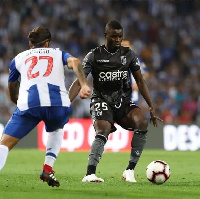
(113, 38)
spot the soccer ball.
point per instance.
(158, 172)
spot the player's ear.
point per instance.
(47, 44)
(105, 34)
(30, 44)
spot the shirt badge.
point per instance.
(123, 60)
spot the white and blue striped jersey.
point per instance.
(41, 73)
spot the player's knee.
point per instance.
(8, 141)
(142, 124)
(104, 133)
(8, 144)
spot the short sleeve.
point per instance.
(135, 63)
(88, 62)
(14, 73)
(65, 56)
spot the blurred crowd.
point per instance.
(165, 34)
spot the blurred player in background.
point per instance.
(109, 65)
(135, 94)
(40, 96)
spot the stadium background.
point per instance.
(165, 34)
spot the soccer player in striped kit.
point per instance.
(36, 85)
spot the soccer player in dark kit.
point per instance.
(109, 65)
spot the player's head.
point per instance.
(113, 34)
(126, 42)
(39, 37)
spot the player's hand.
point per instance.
(154, 118)
(84, 92)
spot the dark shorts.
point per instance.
(101, 110)
(22, 122)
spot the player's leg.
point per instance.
(55, 119)
(54, 142)
(137, 121)
(103, 125)
(102, 129)
(140, 134)
(6, 144)
(17, 127)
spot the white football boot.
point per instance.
(128, 175)
(92, 178)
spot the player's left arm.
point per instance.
(144, 72)
(142, 86)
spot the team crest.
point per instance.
(123, 60)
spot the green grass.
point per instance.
(19, 179)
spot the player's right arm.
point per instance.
(13, 88)
(76, 86)
(13, 83)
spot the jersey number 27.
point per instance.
(34, 61)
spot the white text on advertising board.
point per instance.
(182, 137)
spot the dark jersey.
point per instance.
(110, 71)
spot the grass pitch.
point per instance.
(19, 179)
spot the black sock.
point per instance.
(131, 166)
(91, 169)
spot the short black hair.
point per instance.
(113, 24)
